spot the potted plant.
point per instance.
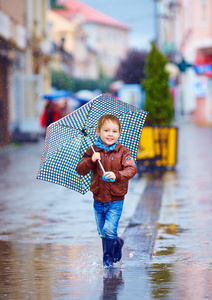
(159, 140)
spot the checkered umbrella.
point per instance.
(66, 141)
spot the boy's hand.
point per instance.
(96, 156)
(110, 175)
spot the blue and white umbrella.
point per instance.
(54, 95)
(67, 139)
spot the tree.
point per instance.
(158, 101)
(131, 69)
(62, 81)
(54, 5)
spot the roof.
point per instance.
(89, 14)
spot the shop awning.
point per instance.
(203, 63)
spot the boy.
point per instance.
(108, 196)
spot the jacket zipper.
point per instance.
(103, 183)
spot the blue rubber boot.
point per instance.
(108, 252)
(119, 243)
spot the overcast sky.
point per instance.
(138, 14)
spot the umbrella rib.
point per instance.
(91, 147)
(78, 130)
(72, 127)
(93, 126)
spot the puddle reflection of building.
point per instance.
(162, 278)
(113, 282)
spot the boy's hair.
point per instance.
(108, 117)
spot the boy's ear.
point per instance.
(97, 131)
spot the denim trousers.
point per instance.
(107, 217)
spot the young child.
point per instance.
(108, 196)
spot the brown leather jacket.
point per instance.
(118, 161)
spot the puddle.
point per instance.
(172, 229)
(42, 270)
(165, 251)
(162, 277)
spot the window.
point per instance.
(204, 10)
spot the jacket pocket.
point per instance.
(119, 189)
(94, 187)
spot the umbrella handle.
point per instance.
(103, 170)
(104, 177)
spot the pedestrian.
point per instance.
(108, 195)
(64, 107)
(51, 113)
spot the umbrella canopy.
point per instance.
(85, 95)
(66, 141)
(57, 94)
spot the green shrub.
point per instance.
(159, 102)
(62, 81)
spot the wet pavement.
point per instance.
(181, 266)
(49, 248)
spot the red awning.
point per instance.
(203, 58)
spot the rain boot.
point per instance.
(108, 252)
(119, 243)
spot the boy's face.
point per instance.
(109, 133)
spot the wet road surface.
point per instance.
(181, 267)
(49, 248)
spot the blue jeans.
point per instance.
(107, 217)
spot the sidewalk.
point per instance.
(181, 266)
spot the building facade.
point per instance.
(70, 36)
(190, 22)
(105, 40)
(24, 57)
(197, 47)
(12, 43)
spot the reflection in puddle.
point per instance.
(53, 271)
(166, 251)
(113, 282)
(170, 229)
(161, 277)
(161, 273)
(45, 271)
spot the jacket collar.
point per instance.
(98, 149)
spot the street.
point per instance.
(49, 247)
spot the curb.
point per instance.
(140, 234)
